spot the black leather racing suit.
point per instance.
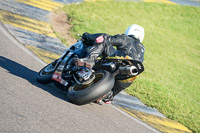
(102, 45)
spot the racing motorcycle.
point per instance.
(83, 84)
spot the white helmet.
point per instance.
(136, 30)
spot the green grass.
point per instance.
(171, 81)
(64, 41)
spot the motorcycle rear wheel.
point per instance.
(45, 75)
(83, 94)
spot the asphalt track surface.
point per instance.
(27, 106)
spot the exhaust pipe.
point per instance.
(128, 70)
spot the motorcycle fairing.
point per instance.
(76, 49)
(57, 76)
(129, 80)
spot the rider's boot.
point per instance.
(107, 98)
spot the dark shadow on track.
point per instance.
(30, 75)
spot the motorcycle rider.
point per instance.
(128, 44)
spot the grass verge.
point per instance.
(170, 82)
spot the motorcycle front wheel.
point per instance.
(83, 94)
(45, 75)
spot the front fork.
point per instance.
(58, 61)
(60, 65)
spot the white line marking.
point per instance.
(14, 40)
(138, 121)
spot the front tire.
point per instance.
(45, 75)
(83, 94)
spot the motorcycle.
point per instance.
(83, 85)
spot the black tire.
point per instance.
(83, 94)
(45, 75)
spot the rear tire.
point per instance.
(45, 75)
(83, 94)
